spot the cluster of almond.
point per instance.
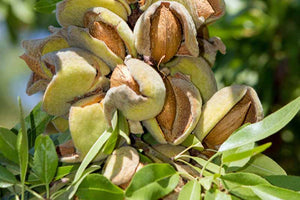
(151, 60)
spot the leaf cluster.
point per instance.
(30, 168)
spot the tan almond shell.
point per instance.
(121, 165)
(113, 20)
(36, 84)
(220, 104)
(210, 48)
(199, 72)
(135, 106)
(71, 12)
(81, 38)
(187, 113)
(191, 5)
(202, 11)
(76, 72)
(142, 29)
(35, 49)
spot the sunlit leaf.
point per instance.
(65, 170)
(91, 154)
(271, 192)
(239, 163)
(235, 182)
(245, 154)
(206, 182)
(72, 189)
(96, 186)
(190, 191)
(152, 182)
(263, 165)
(260, 130)
(210, 166)
(123, 127)
(112, 140)
(193, 142)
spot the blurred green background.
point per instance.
(263, 44)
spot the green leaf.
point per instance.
(65, 170)
(7, 179)
(288, 182)
(111, 142)
(235, 182)
(8, 145)
(22, 147)
(216, 195)
(192, 142)
(244, 178)
(36, 123)
(260, 130)
(96, 186)
(263, 165)
(46, 6)
(269, 192)
(123, 127)
(72, 189)
(91, 154)
(239, 163)
(190, 191)
(152, 182)
(222, 196)
(45, 159)
(145, 159)
(210, 166)
(206, 182)
(245, 154)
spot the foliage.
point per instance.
(257, 177)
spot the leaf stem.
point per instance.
(207, 162)
(151, 151)
(47, 191)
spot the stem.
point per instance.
(187, 175)
(207, 162)
(152, 152)
(23, 192)
(31, 191)
(47, 191)
(185, 150)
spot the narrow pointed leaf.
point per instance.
(22, 146)
(245, 154)
(239, 163)
(74, 186)
(211, 166)
(35, 123)
(92, 153)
